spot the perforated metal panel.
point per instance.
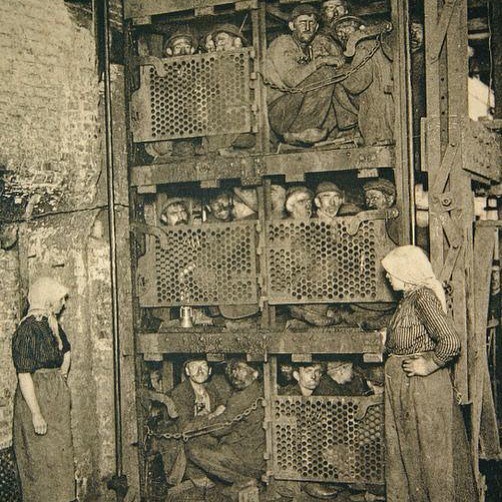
(311, 261)
(212, 264)
(336, 439)
(190, 96)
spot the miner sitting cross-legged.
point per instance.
(233, 453)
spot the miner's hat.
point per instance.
(304, 9)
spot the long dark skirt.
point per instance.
(427, 449)
(45, 463)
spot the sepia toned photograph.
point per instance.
(250, 250)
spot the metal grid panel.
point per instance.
(335, 439)
(311, 261)
(191, 96)
(213, 264)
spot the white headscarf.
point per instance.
(411, 265)
(43, 296)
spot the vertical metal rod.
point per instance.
(113, 242)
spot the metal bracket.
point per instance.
(438, 37)
(144, 228)
(151, 61)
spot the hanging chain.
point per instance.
(207, 429)
(337, 77)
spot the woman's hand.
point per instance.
(39, 424)
(419, 366)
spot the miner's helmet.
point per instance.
(229, 28)
(304, 9)
(327, 186)
(382, 185)
(344, 20)
(183, 32)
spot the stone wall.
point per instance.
(54, 185)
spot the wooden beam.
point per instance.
(292, 163)
(314, 341)
(143, 8)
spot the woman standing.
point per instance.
(42, 432)
(427, 450)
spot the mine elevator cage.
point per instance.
(251, 263)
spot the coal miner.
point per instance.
(196, 397)
(331, 10)
(302, 106)
(342, 379)
(175, 212)
(330, 202)
(370, 86)
(183, 42)
(307, 378)
(219, 207)
(381, 194)
(234, 452)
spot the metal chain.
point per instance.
(207, 429)
(337, 78)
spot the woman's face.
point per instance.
(59, 306)
(397, 284)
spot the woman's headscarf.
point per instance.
(411, 265)
(44, 294)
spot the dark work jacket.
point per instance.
(184, 398)
(356, 387)
(248, 434)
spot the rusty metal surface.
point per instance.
(314, 262)
(256, 341)
(292, 164)
(329, 439)
(193, 96)
(213, 264)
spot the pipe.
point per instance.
(119, 481)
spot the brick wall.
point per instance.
(52, 146)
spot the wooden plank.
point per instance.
(143, 8)
(316, 341)
(291, 164)
(484, 245)
(439, 34)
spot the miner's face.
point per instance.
(341, 374)
(175, 214)
(302, 207)
(329, 202)
(344, 30)
(221, 207)
(309, 377)
(182, 46)
(304, 27)
(242, 376)
(333, 9)
(375, 199)
(416, 36)
(198, 371)
(226, 42)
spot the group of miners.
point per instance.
(327, 201)
(329, 80)
(221, 417)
